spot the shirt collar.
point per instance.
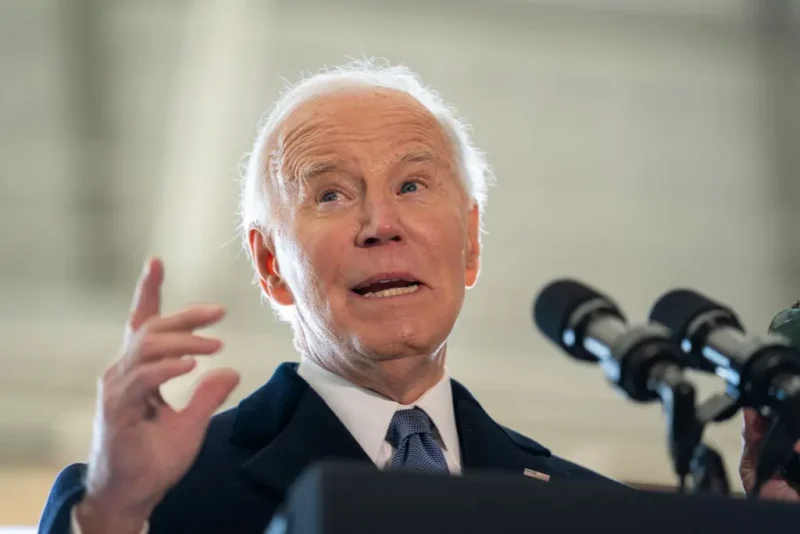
(367, 414)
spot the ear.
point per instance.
(262, 249)
(472, 264)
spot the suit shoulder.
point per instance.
(526, 443)
(216, 450)
(221, 424)
(69, 478)
(217, 460)
(558, 464)
(67, 491)
(213, 495)
(579, 472)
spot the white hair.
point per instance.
(255, 206)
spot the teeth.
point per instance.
(392, 292)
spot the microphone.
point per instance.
(760, 373)
(590, 327)
(642, 362)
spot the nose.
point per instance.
(380, 223)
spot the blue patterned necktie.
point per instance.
(411, 435)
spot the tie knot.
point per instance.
(406, 423)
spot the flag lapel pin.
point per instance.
(544, 477)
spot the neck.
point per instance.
(403, 379)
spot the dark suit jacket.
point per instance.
(253, 453)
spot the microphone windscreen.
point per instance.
(556, 302)
(787, 324)
(677, 309)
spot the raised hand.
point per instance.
(141, 446)
(755, 427)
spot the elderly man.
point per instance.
(361, 210)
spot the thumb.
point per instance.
(213, 389)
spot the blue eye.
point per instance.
(409, 187)
(329, 196)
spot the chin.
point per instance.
(390, 343)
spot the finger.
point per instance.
(751, 438)
(154, 347)
(147, 296)
(755, 425)
(189, 319)
(145, 379)
(210, 393)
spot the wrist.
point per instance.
(96, 516)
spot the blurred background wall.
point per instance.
(638, 146)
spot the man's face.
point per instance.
(375, 238)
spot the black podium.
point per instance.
(347, 499)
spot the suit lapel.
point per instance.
(289, 427)
(292, 428)
(487, 446)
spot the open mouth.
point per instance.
(387, 287)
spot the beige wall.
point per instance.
(633, 150)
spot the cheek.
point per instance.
(448, 237)
(293, 266)
(323, 254)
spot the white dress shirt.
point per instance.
(367, 416)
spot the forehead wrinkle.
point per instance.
(307, 166)
(310, 169)
(302, 162)
(420, 155)
(317, 119)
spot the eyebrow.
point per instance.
(419, 156)
(316, 168)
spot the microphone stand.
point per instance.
(685, 424)
(708, 472)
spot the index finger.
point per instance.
(147, 297)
